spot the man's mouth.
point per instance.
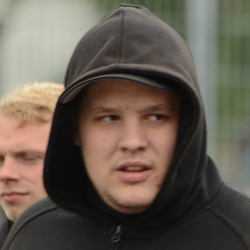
(133, 169)
(132, 172)
(13, 196)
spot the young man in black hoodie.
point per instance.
(127, 152)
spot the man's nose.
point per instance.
(133, 137)
(9, 170)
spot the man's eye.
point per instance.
(109, 118)
(30, 159)
(156, 117)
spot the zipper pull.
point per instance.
(117, 235)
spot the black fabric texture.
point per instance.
(4, 230)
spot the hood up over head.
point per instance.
(132, 43)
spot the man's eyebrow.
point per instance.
(151, 108)
(158, 107)
(29, 152)
(22, 153)
(102, 109)
(26, 151)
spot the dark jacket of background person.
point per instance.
(5, 226)
(194, 209)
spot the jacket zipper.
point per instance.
(117, 235)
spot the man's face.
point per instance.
(22, 152)
(127, 133)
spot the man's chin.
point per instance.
(129, 207)
(14, 210)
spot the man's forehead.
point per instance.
(112, 93)
(118, 103)
(107, 108)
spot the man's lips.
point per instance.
(13, 196)
(134, 166)
(134, 171)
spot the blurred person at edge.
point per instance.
(127, 151)
(25, 122)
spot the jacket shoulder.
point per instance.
(45, 222)
(233, 209)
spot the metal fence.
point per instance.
(233, 91)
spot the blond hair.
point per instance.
(30, 102)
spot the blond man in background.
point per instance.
(25, 121)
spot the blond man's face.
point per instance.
(22, 152)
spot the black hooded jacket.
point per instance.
(194, 209)
(5, 226)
